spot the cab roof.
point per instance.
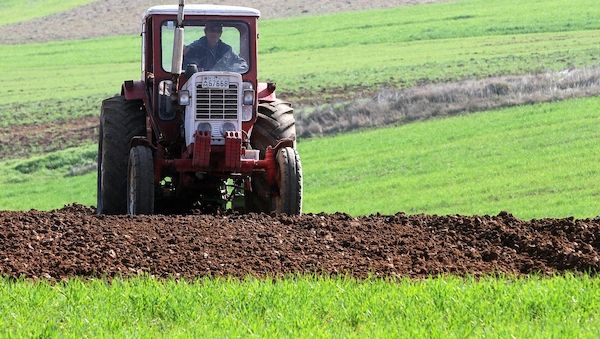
(195, 9)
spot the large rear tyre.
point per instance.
(120, 121)
(140, 181)
(275, 121)
(289, 182)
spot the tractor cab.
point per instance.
(219, 39)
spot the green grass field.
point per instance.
(534, 161)
(331, 54)
(12, 11)
(434, 167)
(45, 182)
(303, 307)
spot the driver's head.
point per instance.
(213, 31)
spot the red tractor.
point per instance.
(198, 130)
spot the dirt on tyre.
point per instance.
(120, 121)
(275, 121)
(140, 181)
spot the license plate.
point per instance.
(215, 82)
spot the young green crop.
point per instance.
(49, 181)
(445, 20)
(12, 11)
(303, 307)
(415, 43)
(534, 161)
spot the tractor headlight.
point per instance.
(228, 127)
(247, 113)
(184, 98)
(248, 98)
(204, 127)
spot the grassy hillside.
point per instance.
(12, 11)
(519, 160)
(446, 20)
(49, 181)
(303, 307)
(336, 54)
(534, 161)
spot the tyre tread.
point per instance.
(141, 159)
(275, 122)
(120, 121)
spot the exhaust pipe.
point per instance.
(177, 60)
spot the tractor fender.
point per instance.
(141, 141)
(283, 143)
(133, 90)
(266, 91)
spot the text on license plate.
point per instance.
(215, 82)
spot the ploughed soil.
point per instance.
(21, 141)
(74, 241)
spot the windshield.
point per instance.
(210, 45)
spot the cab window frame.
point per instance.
(241, 26)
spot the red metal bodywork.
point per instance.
(134, 90)
(266, 91)
(201, 151)
(171, 157)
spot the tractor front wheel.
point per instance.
(140, 181)
(275, 122)
(288, 199)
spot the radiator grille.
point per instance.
(217, 104)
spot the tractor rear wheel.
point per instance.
(140, 181)
(275, 122)
(120, 121)
(289, 182)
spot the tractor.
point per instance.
(198, 131)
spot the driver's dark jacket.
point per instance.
(203, 56)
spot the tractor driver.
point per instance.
(209, 53)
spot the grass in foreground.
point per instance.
(534, 161)
(12, 11)
(332, 53)
(303, 306)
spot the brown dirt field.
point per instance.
(21, 141)
(116, 17)
(74, 241)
